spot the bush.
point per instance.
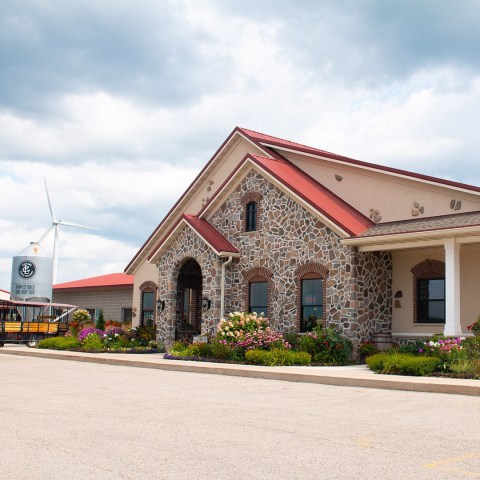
(144, 334)
(59, 343)
(225, 352)
(93, 343)
(87, 331)
(472, 347)
(100, 325)
(414, 348)
(396, 363)
(277, 356)
(367, 349)
(238, 324)
(326, 346)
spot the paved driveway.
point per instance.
(69, 420)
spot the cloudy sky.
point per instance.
(119, 104)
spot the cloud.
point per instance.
(119, 105)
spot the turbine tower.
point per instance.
(56, 225)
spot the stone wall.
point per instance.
(187, 245)
(288, 239)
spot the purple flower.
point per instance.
(87, 331)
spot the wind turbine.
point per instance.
(56, 225)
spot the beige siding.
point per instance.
(405, 260)
(394, 197)
(110, 299)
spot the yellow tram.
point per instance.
(29, 322)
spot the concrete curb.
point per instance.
(354, 376)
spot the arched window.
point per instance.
(311, 296)
(258, 296)
(312, 302)
(429, 292)
(258, 290)
(147, 302)
(251, 211)
(251, 217)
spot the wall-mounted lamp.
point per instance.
(398, 294)
(160, 305)
(206, 303)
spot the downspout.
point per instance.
(222, 287)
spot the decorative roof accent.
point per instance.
(212, 237)
(110, 280)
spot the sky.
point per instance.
(119, 104)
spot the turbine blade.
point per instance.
(49, 202)
(45, 234)
(77, 225)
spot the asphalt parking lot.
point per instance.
(72, 420)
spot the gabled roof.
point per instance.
(270, 142)
(212, 237)
(278, 148)
(330, 206)
(110, 280)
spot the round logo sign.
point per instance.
(26, 269)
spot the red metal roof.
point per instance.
(267, 140)
(331, 206)
(321, 198)
(212, 236)
(110, 280)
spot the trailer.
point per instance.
(29, 322)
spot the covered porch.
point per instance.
(435, 273)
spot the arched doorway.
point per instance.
(189, 301)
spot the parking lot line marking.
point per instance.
(446, 465)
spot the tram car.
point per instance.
(29, 322)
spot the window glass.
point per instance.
(431, 300)
(251, 224)
(147, 308)
(258, 298)
(312, 303)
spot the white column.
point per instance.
(452, 288)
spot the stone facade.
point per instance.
(288, 241)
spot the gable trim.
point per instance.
(253, 162)
(183, 221)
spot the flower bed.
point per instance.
(248, 338)
(112, 340)
(456, 357)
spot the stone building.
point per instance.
(111, 293)
(307, 236)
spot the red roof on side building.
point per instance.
(110, 280)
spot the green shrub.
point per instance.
(178, 348)
(225, 352)
(293, 339)
(93, 343)
(144, 334)
(277, 356)
(472, 347)
(414, 348)
(100, 325)
(59, 343)
(326, 346)
(396, 363)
